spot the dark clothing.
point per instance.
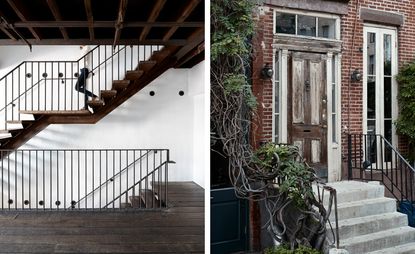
(81, 84)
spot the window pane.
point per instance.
(387, 99)
(371, 98)
(306, 25)
(388, 137)
(276, 119)
(387, 64)
(333, 122)
(371, 51)
(327, 28)
(285, 23)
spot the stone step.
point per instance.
(379, 240)
(370, 224)
(350, 191)
(408, 248)
(364, 208)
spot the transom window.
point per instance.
(306, 25)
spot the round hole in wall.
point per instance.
(26, 202)
(58, 203)
(41, 202)
(152, 93)
(10, 201)
(44, 75)
(181, 93)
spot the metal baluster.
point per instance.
(113, 180)
(106, 174)
(2, 180)
(64, 180)
(126, 197)
(86, 177)
(120, 160)
(93, 179)
(100, 180)
(23, 179)
(57, 178)
(8, 178)
(37, 180)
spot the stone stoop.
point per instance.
(369, 222)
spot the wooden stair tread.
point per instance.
(146, 65)
(57, 112)
(134, 75)
(14, 122)
(160, 55)
(108, 94)
(149, 199)
(95, 103)
(120, 84)
(136, 202)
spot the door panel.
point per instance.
(229, 222)
(307, 110)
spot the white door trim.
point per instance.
(380, 31)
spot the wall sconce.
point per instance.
(356, 75)
(267, 71)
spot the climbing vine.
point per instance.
(406, 99)
(274, 174)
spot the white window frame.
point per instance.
(307, 13)
(380, 30)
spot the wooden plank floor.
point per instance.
(180, 229)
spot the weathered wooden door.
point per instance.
(307, 108)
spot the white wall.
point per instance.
(166, 120)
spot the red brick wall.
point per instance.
(352, 30)
(262, 88)
(352, 59)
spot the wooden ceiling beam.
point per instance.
(152, 17)
(58, 17)
(93, 42)
(21, 12)
(120, 20)
(197, 38)
(104, 24)
(185, 13)
(90, 17)
(3, 27)
(11, 36)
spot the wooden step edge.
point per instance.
(146, 65)
(133, 75)
(56, 112)
(95, 103)
(108, 94)
(159, 55)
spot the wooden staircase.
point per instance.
(18, 132)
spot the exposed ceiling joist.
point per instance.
(152, 17)
(185, 13)
(120, 20)
(105, 24)
(21, 12)
(178, 42)
(58, 17)
(90, 17)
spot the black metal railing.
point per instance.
(97, 179)
(60, 85)
(371, 157)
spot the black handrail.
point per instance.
(52, 179)
(114, 176)
(138, 182)
(374, 158)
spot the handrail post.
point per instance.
(349, 159)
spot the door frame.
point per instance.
(281, 54)
(380, 30)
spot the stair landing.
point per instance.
(369, 222)
(179, 229)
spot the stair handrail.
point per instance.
(44, 79)
(112, 178)
(395, 179)
(397, 153)
(139, 181)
